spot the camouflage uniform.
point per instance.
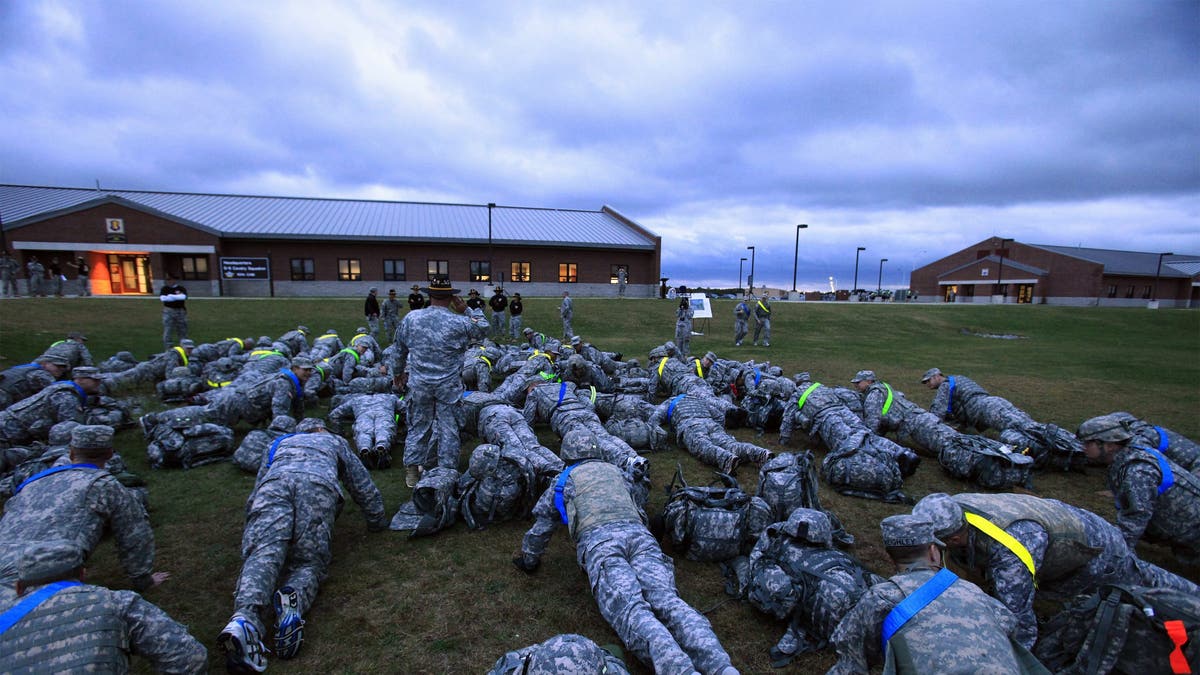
(81, 627)
(180, 385)
(258, 401)
(683, 327)
(249, 454)
(9, 269)
(762, 320)
(492, 419)
(1145, 506)
(477, 365)
(373, 353)
(516, 311)
(558, 405)
(72, 350)
(1073, 551)
(78, 503)
(389, 311)
(503, 483)
(566, 310)
(36, 274)
(296, 340)
(698, 422)
(153, 370)
(325, 346)
(21, 382)
(32, 418)
(567, 654)
(376, 421)
(174, 314)
(585, 374)
(632, 580)
(435, 337)
(1179, 449)
(741, 326)
(669, 376)
(290, 519)
(220, 373)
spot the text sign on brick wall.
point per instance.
(246, 269)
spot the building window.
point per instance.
(1129, 291)
(568, 273)
(481, 270)
(612, 275)
(968, 291)
(520, 271)
(439, 268)
(1112, 290)
(349, 269)
(303, 269)
(194, 267)
(1146, 292)
(393, 270)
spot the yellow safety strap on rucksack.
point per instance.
(218, 385)
(485, 360)
(182, 354)
(768, 311)
(804, 397)
(662, 364)
(353, 353)
(536, 353)
(699, 368)
(1004, 539)
(261, 353)
(887, 405)
(327, 336)
(593, 399)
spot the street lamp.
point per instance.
(1157, 272)
(879, 285)
(491, 272)
(796, 256)
(1000, 289)
(855, 286)
(740, 274)
(750, 279)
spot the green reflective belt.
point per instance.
(804, 397)
(887, 405)
(593, 399)
(182, 354)
(353, 353)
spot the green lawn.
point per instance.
(453, 603)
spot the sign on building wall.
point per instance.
(246, 269)
(114, 230)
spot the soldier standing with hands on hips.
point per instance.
(174, 300)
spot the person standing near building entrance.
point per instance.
(371, 311)
(84, 271)
(35, 272)
(174, 300)
(567, 311)
(621, 276)
(56, 277)
(9, 268)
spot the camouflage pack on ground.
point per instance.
(639, 434)
(986, 462)
(1124, 629)
(711, 523)
(788, 482)
(500, 484)
(119, 362)
(182, 441)
(434, 504)
(117, 413)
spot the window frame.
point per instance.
(475, 271)
(521, 271)
(194, 275)
(435, 267)
(307, 272)
(393, 275)
(612, 277)
(345, 271)
(568, 273)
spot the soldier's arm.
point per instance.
(362, 489)
(160, 639)
(1011, 579)
(858, 635)
(339, 416)
(873, 410)
(281, 397)
(546, 518)
(787, 424)
(130, 525)
(529, 412)
(941, 399)
(659, 416)
(1136, 496)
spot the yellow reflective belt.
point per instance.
(260, 353)
(662, 364)
(182, 354)
(536, 354)
(593, 399)
(326, 337)
(699, 368)
(804, 397)
(887, 405)
(1005, 539)
(356, 337)
(217, 385)
(485, 360)
(352, 353)
(241, 344)
(763, 308)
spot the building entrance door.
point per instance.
(1024, 294)
(948, 293)
(129, 274)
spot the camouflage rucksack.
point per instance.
(1124, 629)
(500, 484)
(788, 482)
(434, 504)
(180, 438)
(712, 523)
(986, 462)
(639, 434)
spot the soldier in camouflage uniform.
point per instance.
(586, 375)
(286, 543)
(75, 500)
(632, 580)
(566, 310)
(389, 311)
(698, 420)
(31, 419)
(1154, 496)
(325, 346)
(9, 270)
(436, 338)
(762, 320)
(73, 349)
(683, 326)
(344, 365)
(21, 382)
(499, 305)
(567, 654)
(119, 362)
(376, 420)
(373, 353)
(220, 373)
(741, 325)
(1067, 550)
(282, 394)
(1178, 448)
(477, 365)
(560, 407)
(492, 419)
(180, 385)
(296, 340)
(155, 369)
(958, 630)
(249, 454)
(77, 627)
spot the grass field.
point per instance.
(453, 603)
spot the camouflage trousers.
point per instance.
(289, 527)
(616, 451)
(568, 331)
(175, 326)
(740, 329)
(432, 438)
(85, 286)
(505, 427)
(633, 582)
(373, 326)
(374, 430)
(683, 338)
(763, 327)
(925, 431)
(514, 326)
(499, 324)
(8, 285)
(710, 443)
(390, 324)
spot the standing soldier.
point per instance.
(683, 326)
(35, 272)
(499, 303)
(371, 310)
(762, 320)
(174, 316)
(515, 309)
(9, 268)
(566, 310)
(621, 276)
(390, 313)
(56, 277)
(741, 326)
(415, 299)
(84, 272)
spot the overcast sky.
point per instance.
(913, 129)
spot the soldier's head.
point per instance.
(76, 336)
(372, 290)
(303, 368)
(516, 296)
(283, 423)
(91, 444)
(946, 516)
(933, 378)
(809, 525)
(187, 345)
(391, 294)
(310, 425)
(909, 540)
(1103, 437)
(53, 364)
(303, 330)
(43, 562)
(88, 379)
(578, 445)
(361, 347)
(441, 292)
(709, 359)
(670, 348)
(863, 379)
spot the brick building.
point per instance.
(236, 245)
(1003, 270)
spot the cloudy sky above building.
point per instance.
(912, 129)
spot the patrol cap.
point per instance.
(372, 289)
(416, 287)
(223, 363)
(711, 356)
(309, 424)
(942, 511)
(60, 434)
(473, 292)
(670, 347)
(303, 362)
(360, 330)
(331, 331)
(92, 437)
(658, 352)
(76, 335)
(516, 295)
(1104, 428)
(575, 339)
(802, 377)
(187, 343)
(810, 525)
(863, 375)
(50, 559)
(283, 423)
(85, 371)
(930, 373)
(907, 530)
(263, 341)
(527, 331)
(302, 329)
(55, 359)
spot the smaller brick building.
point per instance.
(1004, 270)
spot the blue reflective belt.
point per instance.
(1168, 476)
(950, 399)
(562, 391)
(18, 611)
(920, 598)
(558, 491)
(295, 382)
(757, 376)
(80, 393)
(671, 405)
(1162, 439)
(51, 471)
(275, 446)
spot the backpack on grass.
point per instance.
(711, 523)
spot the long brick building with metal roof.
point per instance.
(1003, 270)
(242, 245)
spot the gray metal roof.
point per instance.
(1009, 264)
(243, 217)
(1128, 263)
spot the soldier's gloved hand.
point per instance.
(526, 563)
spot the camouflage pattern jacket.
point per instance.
(327, 460)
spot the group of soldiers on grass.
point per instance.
(441, 378)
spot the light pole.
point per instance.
(1000, 289)
(796, 256)
(740, 274)
(750, 279)
(1157, 272)
(491, 272)
(856, 253)
(879, 285)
